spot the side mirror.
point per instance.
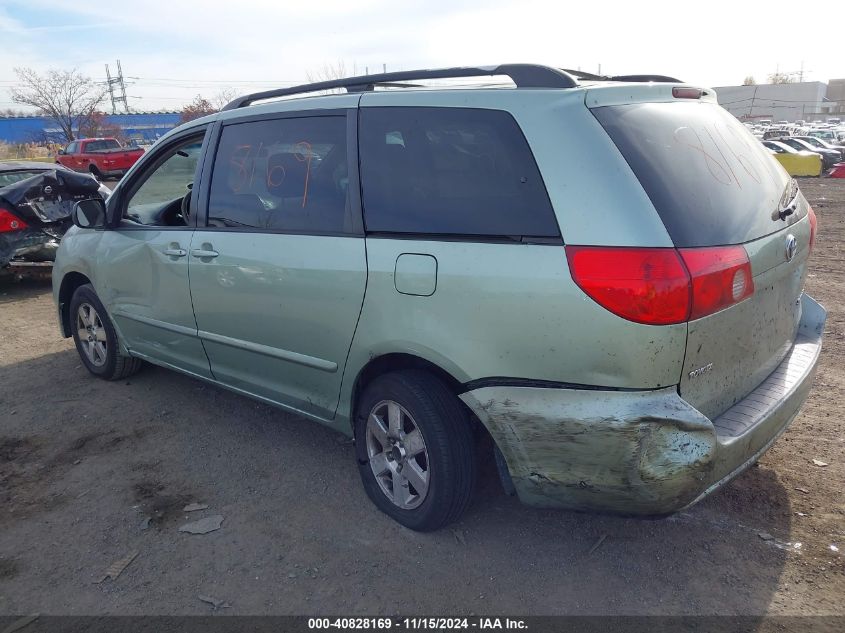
(61, 152)
(89, 214)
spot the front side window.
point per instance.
(454, 171)
(71, 149)
(282, 175)
(158, 200)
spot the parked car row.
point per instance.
(833, 131)
(806, 155)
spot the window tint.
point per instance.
(282, 174)
(158, 200)
(450, 171)
(710, 180)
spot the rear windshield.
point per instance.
(98, 146)
(710, 180)
(11, 177)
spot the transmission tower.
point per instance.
(117, 89)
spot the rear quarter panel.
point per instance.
(512, 310)
(506, 310)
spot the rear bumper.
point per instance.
(641, 452)
(30, 244)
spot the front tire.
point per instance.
(94, 171)
(96, 339)
(415, 449)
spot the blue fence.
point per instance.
(34, 129)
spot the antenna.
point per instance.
(117, 89)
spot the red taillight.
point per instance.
(645, 285)
(812, 216)
(661, 286)
(686, 93)
(10, 222)
(721, 276)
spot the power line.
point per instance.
(223, 81)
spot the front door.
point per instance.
(146, 281)
(279, 269)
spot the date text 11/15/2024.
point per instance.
(417, 623)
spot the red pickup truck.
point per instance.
(102, 157)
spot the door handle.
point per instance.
(202, 253)
(175, 252)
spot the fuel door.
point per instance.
(415, 274)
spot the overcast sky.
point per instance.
(172, 50)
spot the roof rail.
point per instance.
(632, 78)
(645, 78)
(523, 75)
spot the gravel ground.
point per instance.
(93, 472)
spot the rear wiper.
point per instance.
(789, 200)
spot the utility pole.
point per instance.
(117, 89)
(753, 97)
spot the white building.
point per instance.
(806, 100)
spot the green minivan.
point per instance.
(597, 279)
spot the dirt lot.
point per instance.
(84, 463)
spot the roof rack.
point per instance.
(632, 78)
(523, 75)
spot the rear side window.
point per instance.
(283, 175)
(710, 180)
(98, 146)
(450, 171)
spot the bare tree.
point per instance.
(330, 72)
(223, 97)
(99, 125)
(60, 95)
(749, 81)
(781, 78)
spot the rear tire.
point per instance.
(95, 172)
(96, 339)
(415, 449)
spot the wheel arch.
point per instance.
(397, 361)
(70, 282)
(485, 444)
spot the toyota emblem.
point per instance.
(791, 247)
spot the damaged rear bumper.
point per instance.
(640, 452)
(30, 244)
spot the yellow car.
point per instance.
(795, 162)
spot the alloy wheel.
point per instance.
(397, 454)
(92, 334)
